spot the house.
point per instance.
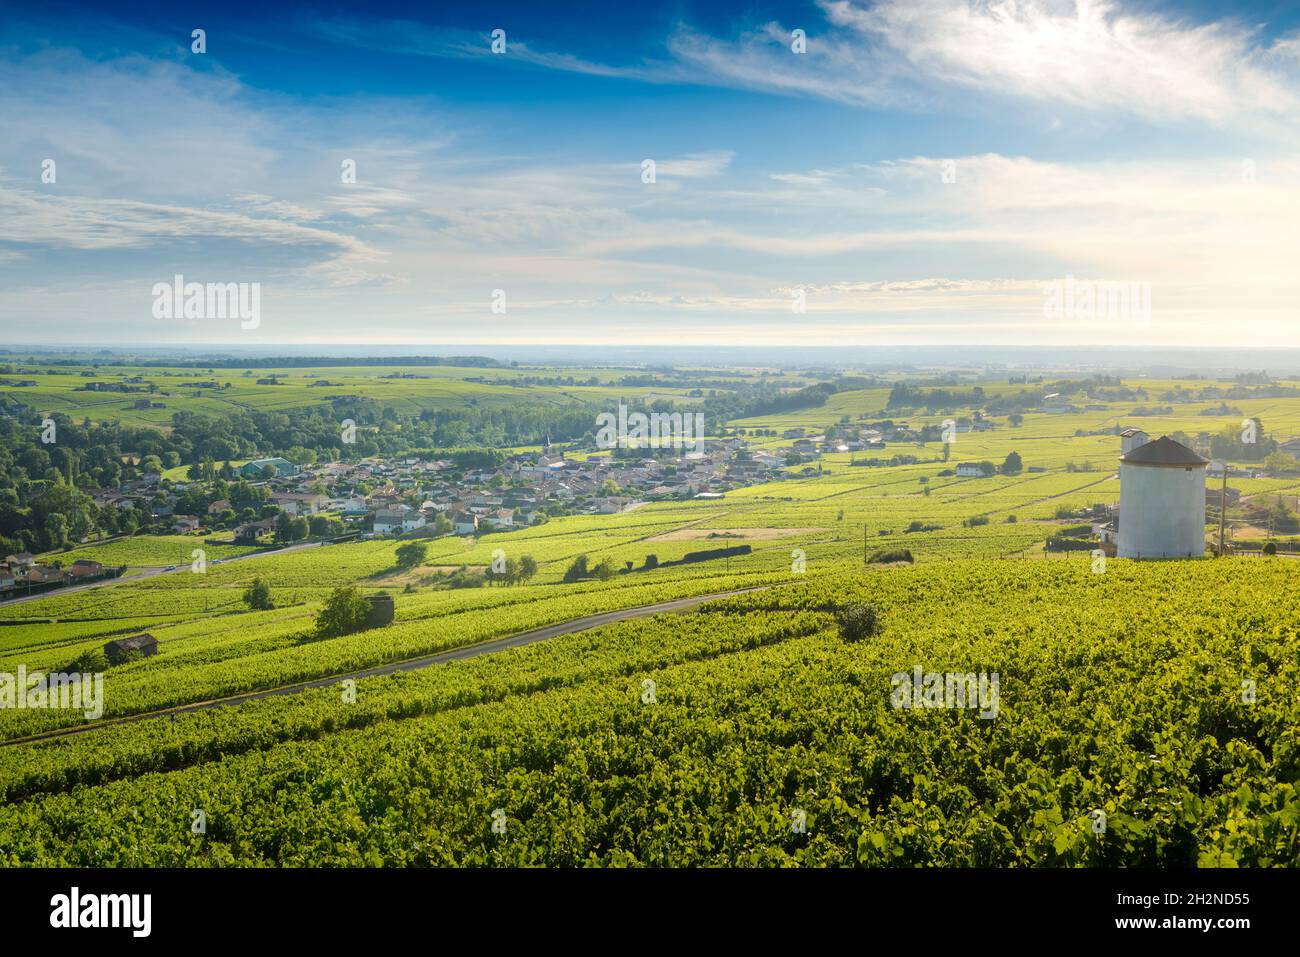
(85, 568)
(217, 507)
(254, 468)
(124, 649)
(248, 533)
(22, 560)
(39, 573)
(389, 521)
(184, 524)
(1214, 496)
(6, 580)
(1106, 532)
(299, 503)
(970, 470)
(463, 523)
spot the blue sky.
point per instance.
(927, 171)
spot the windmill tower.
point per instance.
(1161, 500)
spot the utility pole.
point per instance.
(1223, 507)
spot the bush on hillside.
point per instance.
(857, 621)
(883, 556)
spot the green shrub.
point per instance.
(89, 662)
(857, 621)
(885, 555)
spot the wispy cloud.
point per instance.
(1094, 56)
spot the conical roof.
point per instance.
(1164, 451)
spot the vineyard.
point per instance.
(1158, 698)
(1121, 693)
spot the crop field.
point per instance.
(1119, 693)
(1120, 690)
(430, 388)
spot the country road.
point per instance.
(677, 605)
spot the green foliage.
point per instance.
(89, 662)
(257, 596)
(578, 570)
(756, 695)
(857, 621)
(345, 612)
(889, 555)
(411, 554)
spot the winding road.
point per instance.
(675, 606)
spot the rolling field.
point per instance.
(1121, 691)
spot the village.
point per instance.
(272, 501)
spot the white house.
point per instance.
(969, 470)
(463, 523)
(389, 521)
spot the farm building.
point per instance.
(254, 468)
(85, 568)
(123, 649)
(1162, 500)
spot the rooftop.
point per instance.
(1164, 451)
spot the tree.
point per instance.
(1280, 462)
(1015, 418)
(257, 595)
(508, 574)
(578, 570)
(56, 531)
(345, 611)
(1012, 465)
(411, 554)
(604, 571)
(442, 525)
(527, 568)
